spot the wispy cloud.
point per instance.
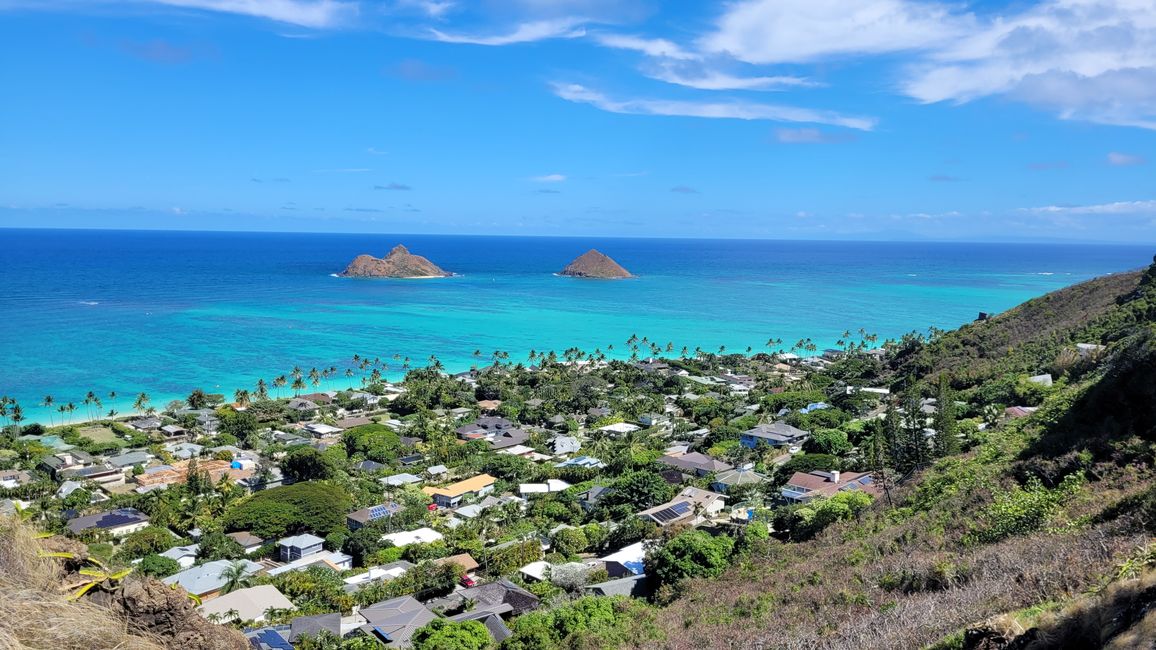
(317, 14)
(528, 32)
(1144, 208)
(549, 178)
(397, 187)
(418, 70)
(1118, 159)
(736, 110)
(683, 189)
(431, 8)
(654, 47)
(707, 79)
(812, 136)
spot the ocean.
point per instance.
(166, 312)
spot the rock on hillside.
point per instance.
(593, 264)
(399, 263)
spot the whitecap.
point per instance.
(90, 303)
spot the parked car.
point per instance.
(467, 581)
(794, 449)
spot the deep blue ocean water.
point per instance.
(165, 312)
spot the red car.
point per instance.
(468, 581)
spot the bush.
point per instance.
(158, 566)
(146, 541)
(693, 554)
(441, 634)
(319, 507)
(1023, 509)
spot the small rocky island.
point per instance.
(593, 264)
(399, 263)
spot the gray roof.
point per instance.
(206, 578)
(301, 541)
(635, 585)
(130, 458)
(397, 619)
(314, 625)
(739, 476)
(494, 623)
(777, 431)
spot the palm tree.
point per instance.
(241, 397)
(262, 393)
(235, 576)
(47, 403)
(71, 408)
(141, 403)
(298, 385)
(279, 382)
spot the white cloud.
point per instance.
(792, 31)
(304, 13)
(549, 178)
(811, 136)
(1125, 159)
(655, 47)
(715, 80)
(1116, 208)
(1093, 60)
(736, 110)
(431, 8)
(524, 33)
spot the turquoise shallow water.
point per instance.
(165, 312)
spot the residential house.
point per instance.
(422, 535)
(248, 541)
(117, 523)
(186, 556)
(465, 561)
(206, 580)
(634, 586)
(172, 433)
(103, 475)
(746, 475)
(147, 423)
(563, 445)
(805, 486)
(129, 459)
(249, 604)
(506, 438)
(320, 430)
(184, 450)
(582, 461)
(590, 498)
(619, 428)
(627, 561)
(694, 463)
(500, 597)
(362, 518)
(776, 434)
(299, 546)
(13, 478)
(302, 407)
(451, 495)
(550, 486)
(65, 460)
(314, 626)
(394, 621)
(371, 466)
(692, 505)
(399, 480)
(334, 560)
(383, 573)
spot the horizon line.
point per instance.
(1051, 242)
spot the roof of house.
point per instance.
(636, 586)
(739, 476)
(631, 557)
(695, 461)
(498, 597)
(682, 506)
(776, 431)
(819, 483)
(493, 622)
(422, 535)
(464, 560)
(246, 539)
(472, 484)
(207, 578)
(335, 560)
(300, 541)
(130, 458)
(401, 479)
(303, 626)
(178, 552)
(373, 513)
(250, 604)
(396, 619)
(107, 520)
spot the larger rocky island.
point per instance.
(399, 263)
(594, 264)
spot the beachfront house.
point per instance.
(451, 495)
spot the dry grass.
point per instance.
(35, 615)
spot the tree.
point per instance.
(362, 543)
(319, 507)
(216, 545)
(945, 424)
(141, 403)
(146, 541)
(639, 490)
(828, 441)
(693, 554)
(236, 575)
(570, 541)
(308, 464)
(158, 566)
(442, 634)
(197, 399)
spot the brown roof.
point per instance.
(464, 560)
(821, 484)
(246, 539)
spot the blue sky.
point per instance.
(868, 119)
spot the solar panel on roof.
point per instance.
(377, 512)
(273, 640)
(682, 507)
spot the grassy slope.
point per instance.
(912, 575)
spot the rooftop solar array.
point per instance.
(673, 512)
